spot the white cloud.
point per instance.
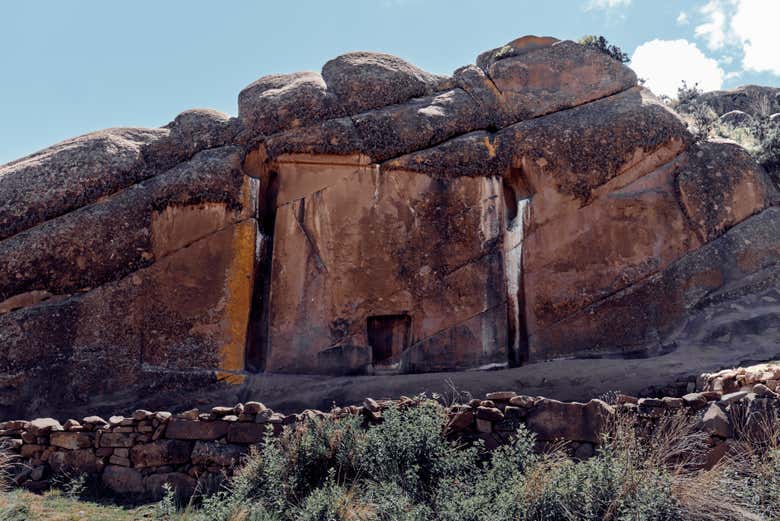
(666, 63)
(682, 18)
(606, 4)
(715, 28)
(755, 24)
(748, 27)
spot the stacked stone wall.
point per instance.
(136, 455)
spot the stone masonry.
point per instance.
(135, 456)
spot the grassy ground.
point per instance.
(20, 505)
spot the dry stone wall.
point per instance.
(136, 455)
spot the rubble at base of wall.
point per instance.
(136, 456)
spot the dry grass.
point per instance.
(20, 505)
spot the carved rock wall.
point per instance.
(373, 218)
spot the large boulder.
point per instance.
(71, 174)
(368, 80)
(736, 118)
(128, 231)
(720, 185)
(387, 132)
(751, 99)
(284, 101)
(534, 76)
(743, 264)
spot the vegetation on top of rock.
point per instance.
(757, 130)
(602, 44)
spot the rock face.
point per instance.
(750, 99)
(374, 218)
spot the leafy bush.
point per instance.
(700, 116)
(602, 44)
(404, 469)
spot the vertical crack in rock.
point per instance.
(516, 196)
(300, 218)
(257, 338)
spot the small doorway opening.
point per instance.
(388, 336)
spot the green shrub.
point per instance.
(404, 469)
(602, 44)
(408, 449)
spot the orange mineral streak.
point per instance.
(239, 283)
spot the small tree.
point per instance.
(700, 116)
(602, 44)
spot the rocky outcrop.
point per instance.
(750, 99)
(375, 218)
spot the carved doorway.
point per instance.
(388, 336)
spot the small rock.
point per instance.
(716, 422)
(141, 414)
(192, 414)
(584, 451)
(162, 416)
(96, 422)
(484, 425)
(43, 426)
(71, 440)
(263, 416)
(72, 425)
(123, 480)
(254, 407)
(526, 402)
(221, 411)
(733, 397)
(37, 473)
(650, 402)
(461, 421)
(116, 459)
(695, 400)
(371, 405)
(624, 398)
(763, 390)
(490, 414)
(672, 403)
(501, 396)
(115, 421)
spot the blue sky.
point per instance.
(73, 67)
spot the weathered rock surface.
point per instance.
(376, 218)
(736, 118)
(533, 79)
(130, 230)
(719, 186)
(71, 174)
(367, 80)
(751, 99)
(554, 420)
(282, 101)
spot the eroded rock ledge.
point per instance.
(376, 218)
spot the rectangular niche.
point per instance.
(388, 336)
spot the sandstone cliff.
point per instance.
(376, 218)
